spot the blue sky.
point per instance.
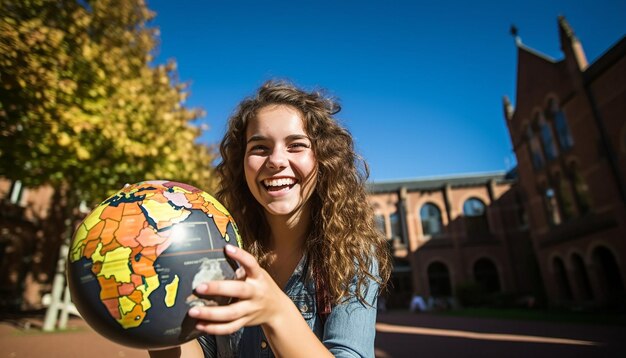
(420, 82)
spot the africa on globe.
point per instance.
(136, 259)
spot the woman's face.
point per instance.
(279, 164)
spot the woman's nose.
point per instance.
(277, 160)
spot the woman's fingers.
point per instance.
(221, 328)
(221, 320)
(247, 261)
(215, 314)
(253, 288)
(240, 274)
(225, 288)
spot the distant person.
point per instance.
(417, 304)
(312, 263)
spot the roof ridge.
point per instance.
(442, 177)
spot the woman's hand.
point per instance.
(258, 298)
(259, 301)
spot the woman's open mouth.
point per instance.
(279, 184)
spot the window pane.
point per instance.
(554, 214)
(565, 138)
(534, 149)
(582, 192)
(431, 219)
(473, 207)
(396, 230)
(475, 214)
(548, 141)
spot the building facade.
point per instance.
(449, 234)
(555, 228)
(568, 129)
(27, 256)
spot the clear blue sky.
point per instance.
(420, 82)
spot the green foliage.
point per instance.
(81, 105)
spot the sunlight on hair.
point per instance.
(389, 328)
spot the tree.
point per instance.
(83, 108)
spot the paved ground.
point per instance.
(399, 335)
(427, 335)
(77, 341)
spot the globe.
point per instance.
(136, 259)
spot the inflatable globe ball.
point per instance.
(136, 258)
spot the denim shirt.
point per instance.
(349, 330)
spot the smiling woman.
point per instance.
(279, 165)
(312, 263)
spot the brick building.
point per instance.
(557, 225)
(27, 256)
(448, 233)
(568, 130)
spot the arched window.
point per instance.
(475, 213)
(564, 196)
(486, 275)
(552, 206)
(431, 220)
(609, 276)
(581, 190)
(396, 228)
(534, 149)
(547, 138)
(562, 129)
(474, 207)
(439, 280)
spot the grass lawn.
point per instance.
(601, 318)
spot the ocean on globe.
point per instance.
(136, 259)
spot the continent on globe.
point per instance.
(150, 235)
(171, 289)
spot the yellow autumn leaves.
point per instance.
(82, 106)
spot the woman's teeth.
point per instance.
(278, 184)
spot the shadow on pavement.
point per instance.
(405, 334)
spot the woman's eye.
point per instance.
(258, 149)
(299, 146)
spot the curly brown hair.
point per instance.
(343, 243)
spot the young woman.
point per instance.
(312, 263)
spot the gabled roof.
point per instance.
(535, 53)
(529, 84)
(439, 182)
(538, 74)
